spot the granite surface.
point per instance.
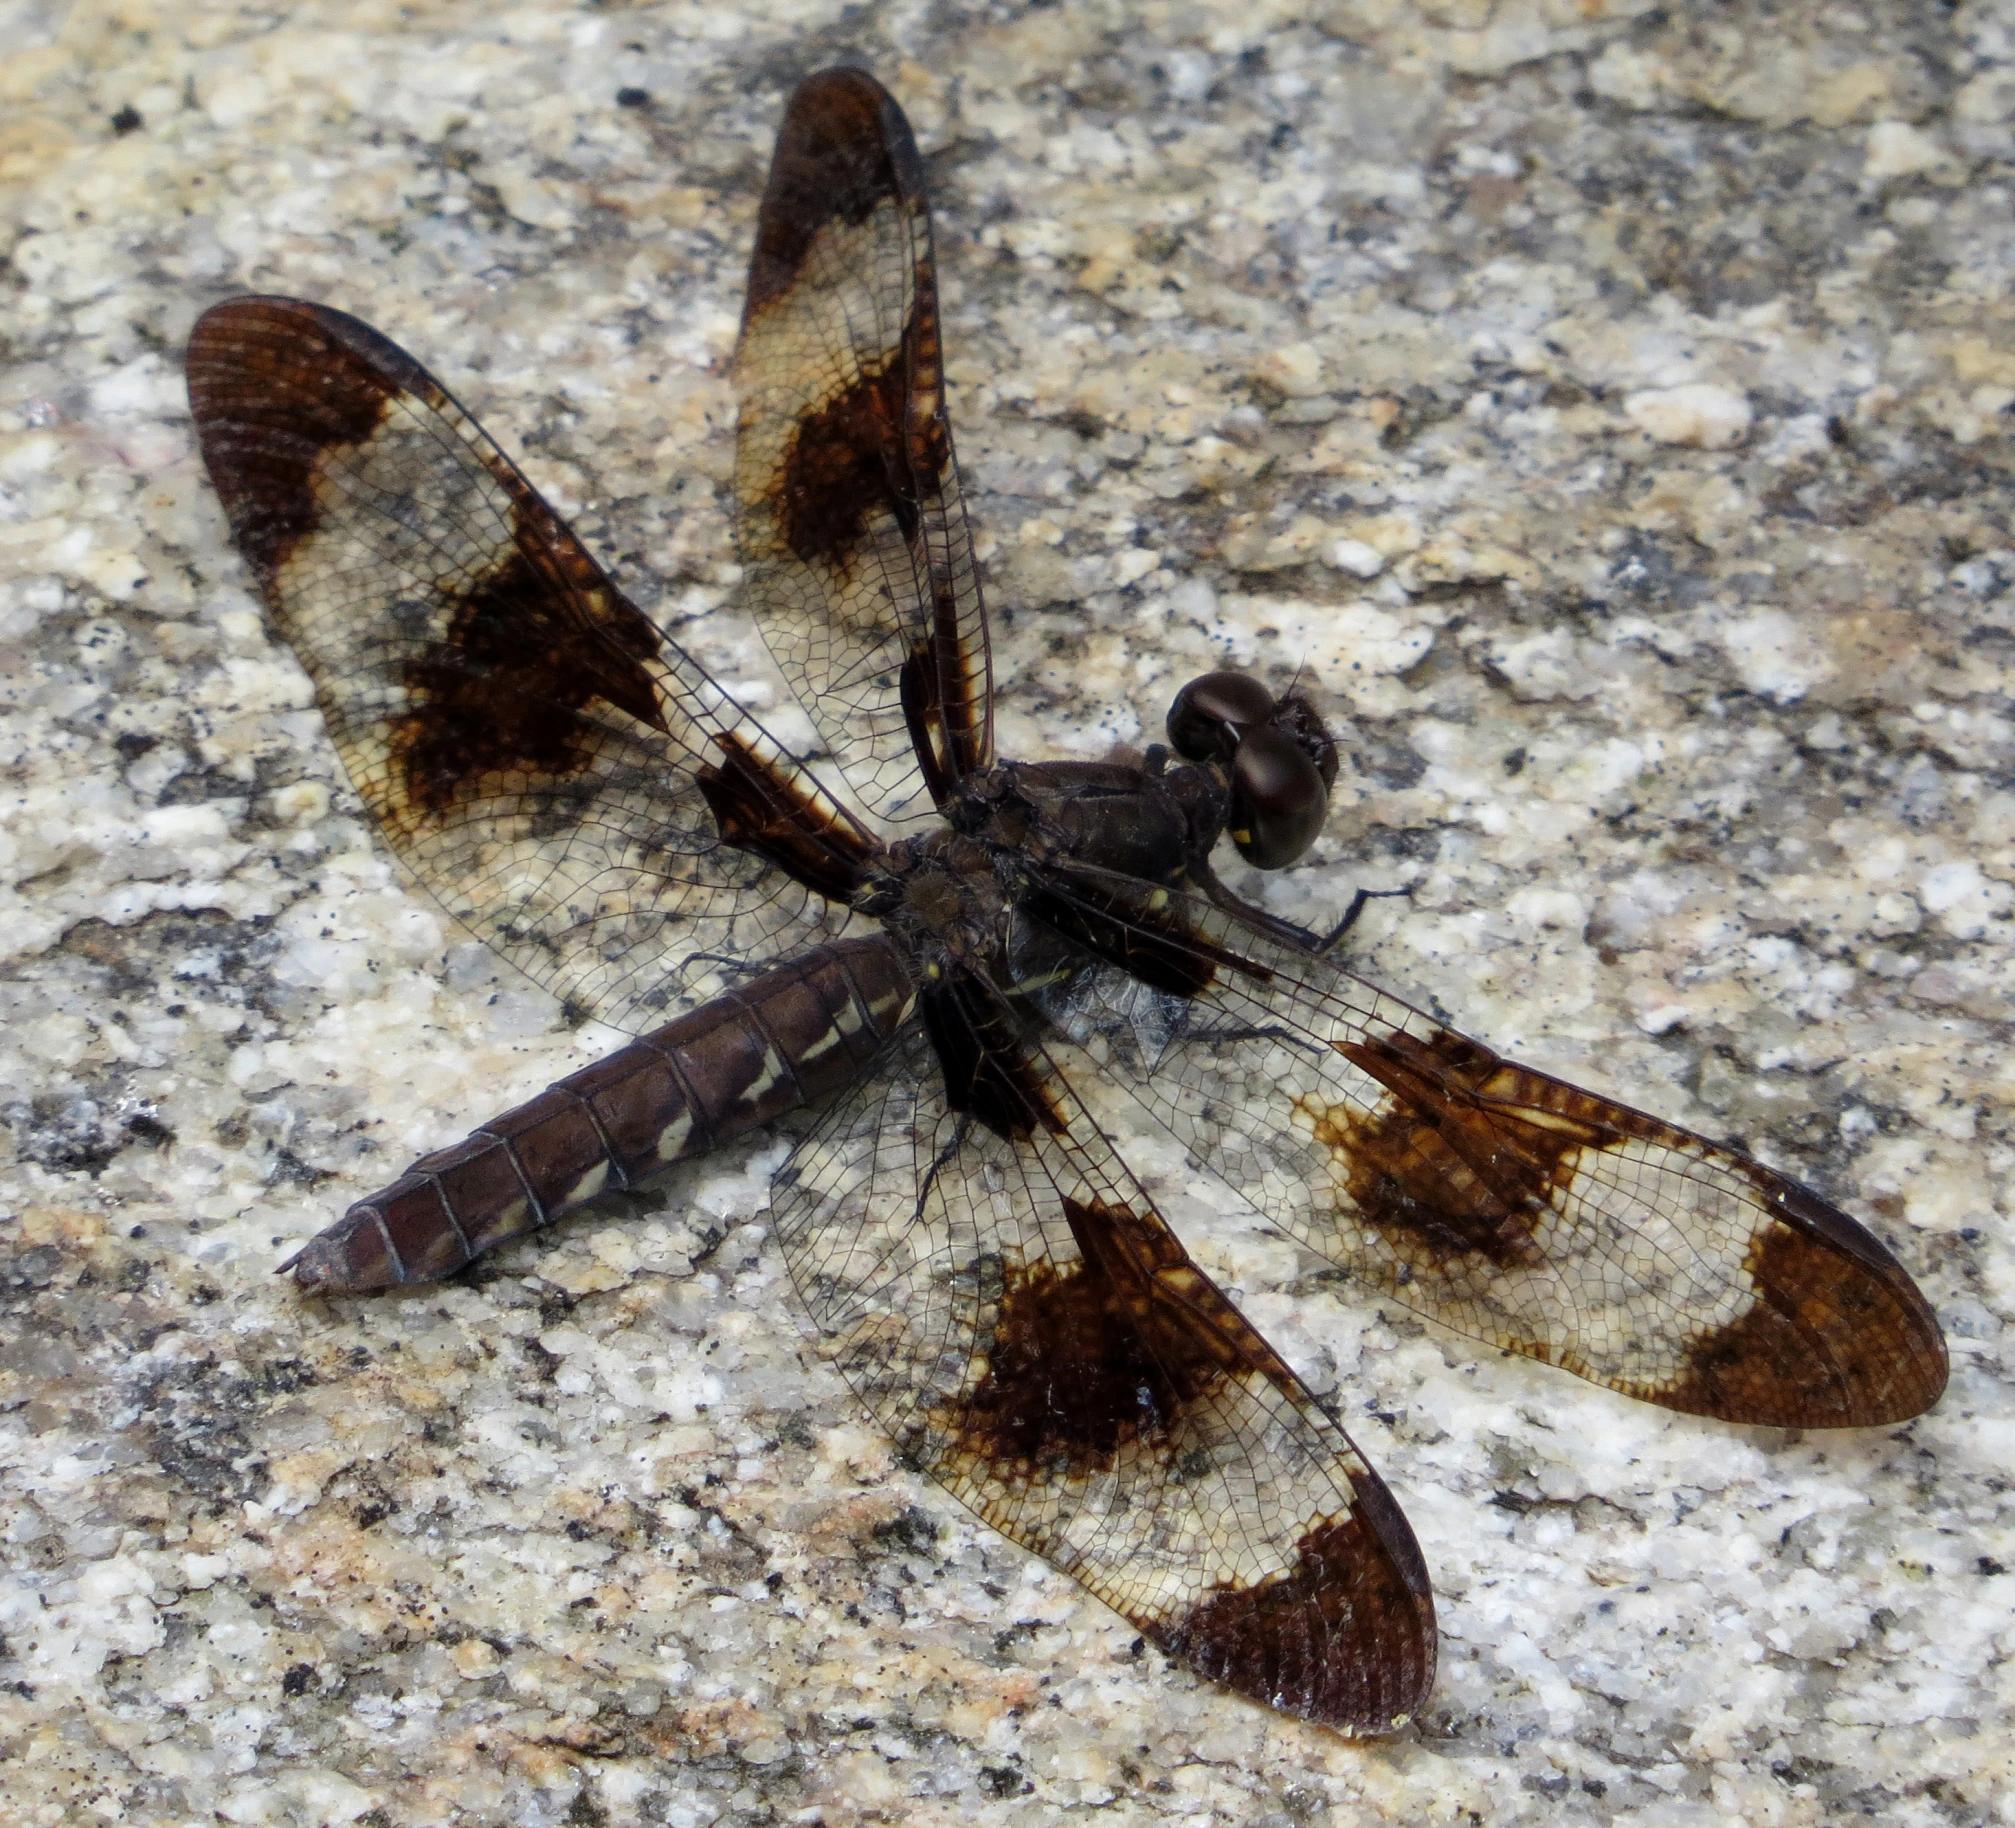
(1609, 406)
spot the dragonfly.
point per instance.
(941, 958)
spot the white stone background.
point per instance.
(1609, 407)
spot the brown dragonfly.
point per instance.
(939, 953)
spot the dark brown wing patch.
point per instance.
(275, 385)
(773, 818)
(1838, 1328)
(1356, 1579)
(843, 150)
(1434, 1166)
(836, 472)
(504, 688)
(837, 469)
(981, 1050)
(1105, 1353)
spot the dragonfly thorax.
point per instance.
(1144, 821)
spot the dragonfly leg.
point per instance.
(1358, 903)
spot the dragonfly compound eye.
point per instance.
(1278, 799)
(1211, 714)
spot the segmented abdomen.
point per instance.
(786, 1038)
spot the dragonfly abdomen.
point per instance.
(786, 1038)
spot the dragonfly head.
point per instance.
(1277, 759)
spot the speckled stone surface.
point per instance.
(1610, 409)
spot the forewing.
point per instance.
(1502, 1202)
(1031, 1334)
(851, 526)
(555, 773)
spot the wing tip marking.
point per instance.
(274, 385)
(843, 145)
(1839, 1335)
(1346, 1636)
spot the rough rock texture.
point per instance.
(1609, 406)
